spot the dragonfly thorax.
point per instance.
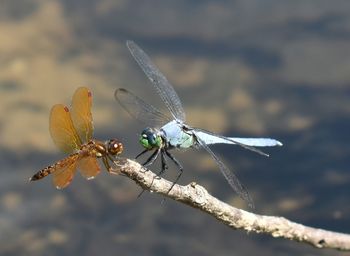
(151, 138)
(178, 135)
(94, 148)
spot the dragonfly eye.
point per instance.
(149, 139)
(114, 147)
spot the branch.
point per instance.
(196, 196)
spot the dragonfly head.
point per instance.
(150, 139)
(114, 147)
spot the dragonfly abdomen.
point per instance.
(58, 165)
(43, 173)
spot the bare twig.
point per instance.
(198, 197)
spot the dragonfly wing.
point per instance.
(62, 130)
(64, 171)
(81, 113)
(159, 81)
(230, 176)
(139, 109)
(212, 138)
(252, 142)
(89, 167)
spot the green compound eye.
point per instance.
(149, 139)
(144, 143)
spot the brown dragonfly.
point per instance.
(72, 132)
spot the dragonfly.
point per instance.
(72, 133)
(166, 133)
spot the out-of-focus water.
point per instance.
(269, 68)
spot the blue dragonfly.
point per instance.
(165, 133)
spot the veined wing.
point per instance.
(252, 142)
(64, 171)
(81, 113)
(89, 167)
(159, 81)
(139, 109)
(230, 176)
(62, 130)
(212, 138)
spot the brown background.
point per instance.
(242, 68)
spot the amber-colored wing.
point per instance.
(89, 167)
(81, 113)
(65, 171)
(62, 130)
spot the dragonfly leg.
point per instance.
(178, 165)
(110, 169)
(164, 163)
(141, 153)
(105, 162)
(164, 168)
(152, 158)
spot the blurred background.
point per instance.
(253, 68)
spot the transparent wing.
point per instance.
(252, 142)
(212, 138)
(89, 167)
(81, 113)
(230, 176)
(139, 109)
(62, 130)
(159, 81)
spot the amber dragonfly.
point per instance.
(72, 132)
